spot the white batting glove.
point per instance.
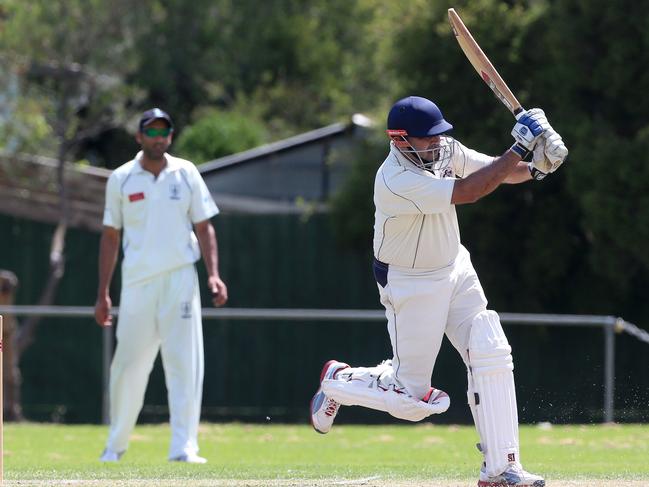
(550, 152)
(540, 165)
(555, 150)
(529, 126)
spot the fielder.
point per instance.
(429, 288)
(156, 199)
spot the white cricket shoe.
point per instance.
(514, 475)
(189, 458)
(323, 408)
(110, 456)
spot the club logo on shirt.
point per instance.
(135, 197)
(185, 310)
(174, 191)
(448, 173)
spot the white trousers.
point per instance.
(164, 314)
(422, 305)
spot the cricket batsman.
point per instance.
(429, 287)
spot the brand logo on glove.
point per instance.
(523, 130)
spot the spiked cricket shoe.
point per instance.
(323, 408)
(513, 476)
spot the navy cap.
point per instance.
(418, 116)
(154, 114)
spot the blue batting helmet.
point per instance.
(418, 116)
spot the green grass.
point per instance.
(257, 452)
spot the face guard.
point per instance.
(433, 159)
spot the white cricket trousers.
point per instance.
(422, 305)
(163, 313)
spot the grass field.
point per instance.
(293, 455)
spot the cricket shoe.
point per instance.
(513, 476)
(110, 456)
(323, 408)
(189, 458)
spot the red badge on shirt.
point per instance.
(135, 197)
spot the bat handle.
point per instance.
(518, 111)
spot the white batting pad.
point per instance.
(492, 396)
(375, 388)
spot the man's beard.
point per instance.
(154, 154)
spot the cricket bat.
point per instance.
(482, 64)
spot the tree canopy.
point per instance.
(575, 242)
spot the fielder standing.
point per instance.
(156, 200)
(429, 288)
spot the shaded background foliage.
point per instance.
(217, 134)
(576, 243)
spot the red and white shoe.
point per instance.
(324, 409)
(513, 476)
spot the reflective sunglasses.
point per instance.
(152, 132)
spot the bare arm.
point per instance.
(485, 180)
(209, 250)
(520, 174)
(108, 251)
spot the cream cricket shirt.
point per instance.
(156, 216)
(415, 223)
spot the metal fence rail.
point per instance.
(609, 324)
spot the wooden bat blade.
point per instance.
(481, 63)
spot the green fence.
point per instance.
(270, 368)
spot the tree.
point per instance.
(72, 58)
(601, 51)
(216, 134)
(295, 64)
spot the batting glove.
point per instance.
(549, 153)
(555, 150)
(529, 126)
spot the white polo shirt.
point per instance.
(156, 216)
(415, 223)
